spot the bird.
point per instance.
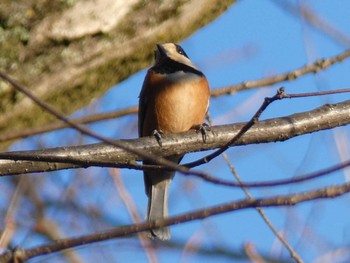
(174, 98)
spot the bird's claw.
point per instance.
(158, 134)
(204, 128)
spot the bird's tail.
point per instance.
(157, 188)
(158, 207)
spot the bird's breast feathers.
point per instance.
(180, 101)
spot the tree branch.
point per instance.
(318, 65)
(101, 154)
(23, 133)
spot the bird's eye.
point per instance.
(180, 51)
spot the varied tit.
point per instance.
(174, 98)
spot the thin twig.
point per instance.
(313, 94)
(10, 222)
(253, 256)
(244, 129)
(318, 65)
(12, 135)
(292, 252)
(317, 22)
(135, 216)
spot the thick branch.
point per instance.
(100, 154)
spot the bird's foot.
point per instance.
(203, 128)
(158, 134)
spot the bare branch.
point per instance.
(101, 154)
(317, 66)
(11, 135)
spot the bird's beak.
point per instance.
(161, 50)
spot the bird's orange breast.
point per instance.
(175, 105)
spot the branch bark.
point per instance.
(100, 154)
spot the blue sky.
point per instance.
(252, 40)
